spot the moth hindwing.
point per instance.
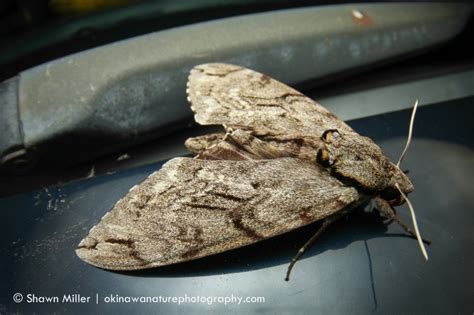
(282, 162)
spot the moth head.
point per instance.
(358, 160)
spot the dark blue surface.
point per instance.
(361, 265)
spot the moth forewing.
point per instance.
(193, 208)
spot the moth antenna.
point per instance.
(410, 206)
(410, 130)
(415, 224)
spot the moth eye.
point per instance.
(330, 135)
(323, 158)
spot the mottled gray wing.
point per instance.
(193, 208)
(242, 98)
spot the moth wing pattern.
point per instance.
(193, 208)
(240, 98)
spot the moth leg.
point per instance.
(326, 223)
(389, 212)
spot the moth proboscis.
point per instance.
(283, 162)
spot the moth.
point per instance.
(282, 162)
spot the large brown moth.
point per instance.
(283, 162)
